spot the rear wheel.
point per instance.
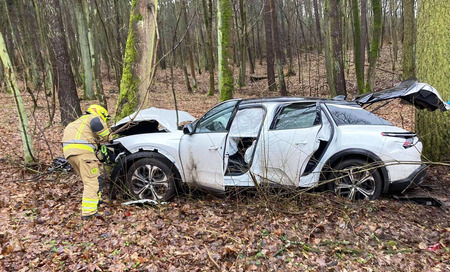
(356, 179)
(151, 178)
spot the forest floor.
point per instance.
(41, 228)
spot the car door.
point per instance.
(242, 139)
(201, 153)
(290, 142)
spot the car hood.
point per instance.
(166, 118)
(421, 95)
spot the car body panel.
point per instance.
(421, 95)
(166, 118)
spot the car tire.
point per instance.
(151, 178)
(356, 179)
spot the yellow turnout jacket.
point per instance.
(84, 134)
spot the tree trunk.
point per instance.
(83, 39)
(225, 48)
(48, 76)
(393, 8)
(408, 39)
(207, 13)
(139, 62)
(277, 48)
(319, 33)
(188, 43)
(364, 31)
(358, 50)
(243, 44)
(23, 117)
(336, 47)
(95, 57)
(67, 92)
(374, 47)
(433, 67)
(328, 53)
(269, 47)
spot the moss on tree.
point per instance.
(433, 67)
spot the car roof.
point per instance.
(291, 99)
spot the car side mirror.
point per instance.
(188, 129)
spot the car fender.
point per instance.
(352, 152)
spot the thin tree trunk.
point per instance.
(207, 13)
(83, 39)
(318, 32)
(188, 43)
(22, 114)
(408, 39)
(393, 8)
(243, 44)
(336, 47)
(373, 54)
(328, 52)
(358, 51)
(364, 31)
(269, 47)
(277, 48)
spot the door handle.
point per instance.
(213, 147)
(300, 143)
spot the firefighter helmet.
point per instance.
(99, 110)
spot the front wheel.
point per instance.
(151, 178)
(356, 179)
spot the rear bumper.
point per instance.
(415, 178)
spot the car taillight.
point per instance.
(408, 143)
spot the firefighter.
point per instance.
(80, 141)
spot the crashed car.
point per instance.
(284, 141)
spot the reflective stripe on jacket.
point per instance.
(82, 135)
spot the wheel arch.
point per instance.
(355, 153)
(126, 162)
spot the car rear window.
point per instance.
(354, 115)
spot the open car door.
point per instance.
(421, 95)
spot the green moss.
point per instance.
(126, 102)
(225, 72)
(433, 67)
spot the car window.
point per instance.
(216, 120)
(295, 116)
(247, 122)
(354, 115)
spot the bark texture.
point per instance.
(408, 39)
(269, 47)
(433, 67)
(67, 92)
(225, 49)
(85, 50)
(138, 67)
(375, 45)
(23, 117)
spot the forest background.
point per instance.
(60, 56)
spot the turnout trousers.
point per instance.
(87, 166)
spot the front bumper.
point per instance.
(415, 178)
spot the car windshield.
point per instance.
(354, 115)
